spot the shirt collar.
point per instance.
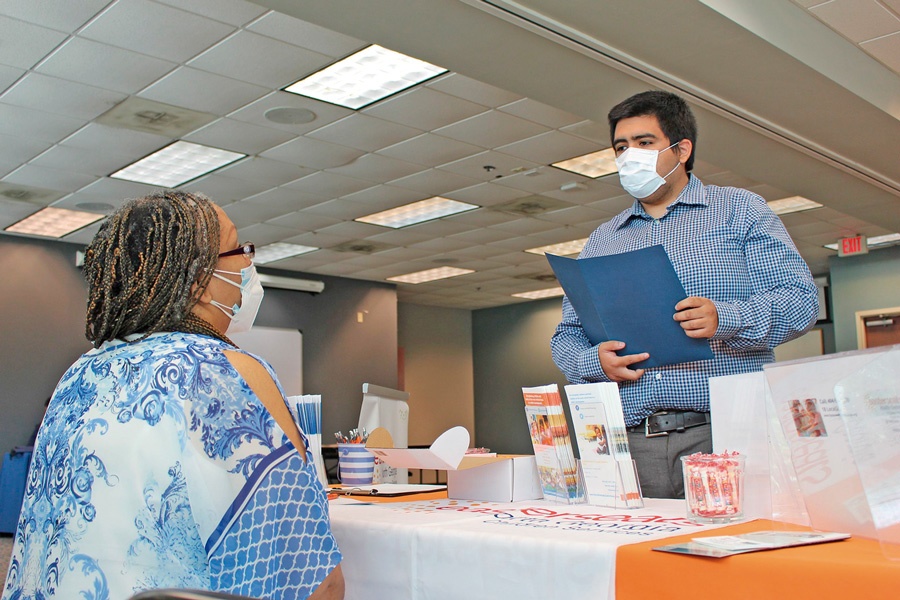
(693, 193)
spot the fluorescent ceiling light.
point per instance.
(430, 275)
(176, 164)
(417, 212)
(593, 165)
(538, 294)
(561, 249)
(873, 242)
(279, 250)
(792, 205)
(54, 222)
(365, 77)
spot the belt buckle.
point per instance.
(647, 429)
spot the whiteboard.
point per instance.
(282, 348)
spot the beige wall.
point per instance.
(438, 373)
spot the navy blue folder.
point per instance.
(631, 298)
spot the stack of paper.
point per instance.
(552, 445)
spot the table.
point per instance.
(440, 549)
(443, 549)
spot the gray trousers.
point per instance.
(658, 459)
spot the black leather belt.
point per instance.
(664, 422)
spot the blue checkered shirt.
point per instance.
(726, 245)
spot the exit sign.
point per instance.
(853, 245)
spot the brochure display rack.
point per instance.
(552, 444)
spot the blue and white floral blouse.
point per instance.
(157, 466)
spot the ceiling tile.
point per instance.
(544, 179)
(330, 184)
(486, 194)
(550, 147)
(238, 136)
(472, 90)
(61, 97)
(383, 197)
(425, 108)
(286, 200)
(245, 213)
(351, 230)
(480, 236)
(339, 209)
(439, 245)
(304, 221)
(54, 179)
(594, 189)
(364, 132)
(399, 237)
(115, 190)
(225, 190)
(434, 182)
(591, 130)
(886, 49)
(614, 205)
(104, 66)
(203, 91)
(306, 35)
(314, 154)
(233, 12)
(13, 212)
(858, 21)
(523, 227)
(63, 15)
(34, 124)
(9, 75)
(19, 150)
(375, 168)
(263, 233)
(481, 217)
(576, 215)
(491, 129)
(261, 60)
(324, 113)
(84, 235)
(439, 227)
(135, 25)
(25, 44)
(430, 149)
(115, 140)
(541, 113)
(76, 160)
(268, 171)
(488, 166)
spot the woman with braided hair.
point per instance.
(168, 457)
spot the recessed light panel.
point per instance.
(177, 164)
(593, 165)
(561, 249)
(365, 77)
(279, 250)
(417, 212)
(54, 222)
(430, 275)
(792, 205)
(538, 294)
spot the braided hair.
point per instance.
(142, 263)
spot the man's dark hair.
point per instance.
(675, 117)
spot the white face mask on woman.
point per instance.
(637, 171)
(243, 314)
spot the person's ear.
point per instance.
(685, 147)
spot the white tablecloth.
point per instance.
(458, 549)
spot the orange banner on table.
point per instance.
(853, 568)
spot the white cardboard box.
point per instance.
(503, 478)
(509, 479)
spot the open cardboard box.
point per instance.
(495, 478)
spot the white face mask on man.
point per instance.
(242, 315)
(637, 171)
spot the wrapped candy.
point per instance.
(713, 486)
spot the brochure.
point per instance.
(609, 474)
(631, 297)
(552, 445)
(729, 545)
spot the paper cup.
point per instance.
(356, 465)
(714, 487)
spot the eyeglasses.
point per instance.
(246, 249)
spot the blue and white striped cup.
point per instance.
(356, 465)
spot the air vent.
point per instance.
(362, 247)
(155, 117)
(531, 205)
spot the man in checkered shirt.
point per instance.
(748, 288)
